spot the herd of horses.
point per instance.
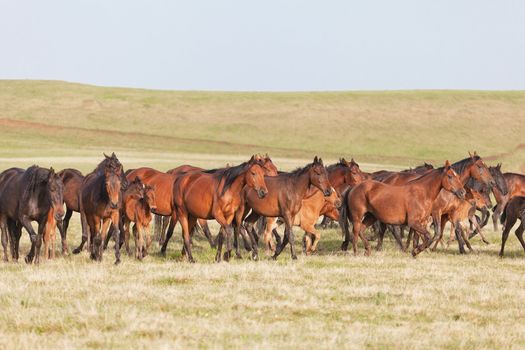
(250, 200)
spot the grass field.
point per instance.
(388, 300)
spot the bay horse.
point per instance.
(269, 170)
(514, 210)
(138, 202)
(514, 184)
(72, 180)
(286, 192)
(25, 196)
(100, 202)
(215, 194)
(470, 167)
(409, 204)
(313, 206)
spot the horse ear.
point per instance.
(475, 153)
(498, 166)
(321, 161)
(113, 155)
(316, 160)
(470, 154)
(252, 158)
(447, 165)
(267, 156)
(106, 156)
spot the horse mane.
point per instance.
(67, 173)
(299, 171)
(36, 175)
(228, 174)
(476, 185)
(460, 166)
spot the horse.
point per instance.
(25, 196)
(410, 204)
(448, 207)
(138, 202)
(72, 179)
(269, 170)
(215, 194)
(514, 210)
(49, 235)
(313, 206)
(100, 202)
(343, 175)
(513, 183)
(470, 167)
(286, 192)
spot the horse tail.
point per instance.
(157, 228)
(344, 215)
(503, 216)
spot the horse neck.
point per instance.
(431, 182)
(335, 179)
(301, 184)
(237, 185)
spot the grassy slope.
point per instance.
(399, 128)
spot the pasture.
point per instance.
(387, 300)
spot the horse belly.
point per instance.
(389, 209)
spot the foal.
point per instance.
(138, 202)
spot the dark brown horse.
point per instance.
(72, 179)
(286, 192)
(25, 196)
(410, 204)
(514, 210)
(100, 203)
(510, 185)
(215, 194)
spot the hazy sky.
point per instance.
(267, 44)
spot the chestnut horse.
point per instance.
(313, 206)
(215, 194)
(100, 203)
(410, 204)
(514, 210)
(72, 179)
(25, 196)
(286, 192)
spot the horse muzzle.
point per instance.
(327, 192)
(113, 205)
(460, 193)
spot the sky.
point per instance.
(267, 45)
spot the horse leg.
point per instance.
(420, 228)
(85, 229)
(459, 237)
(5, 240)
(519, 233)
(281, 246)
(317, 238)
(229, 238)
(267, 236)
(207, 233)
(220, 241)
(63, 231)
(396, 231)
(187, 222)
(380, 235)
(169, 233)
(409, 238)
(464, 238)
(136, 237)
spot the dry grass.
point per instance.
(389, 300)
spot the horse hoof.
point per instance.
(294, 257)
(238, 256)
(28, 259)
(76, 251)
(117, 262)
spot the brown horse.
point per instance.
(138, 202)
(514, 210)
(286, 192)
(26, 196)
(313, 206)
(215, 194)
(470, 167)
(100, 203)
(410, 204)
(72, 180)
